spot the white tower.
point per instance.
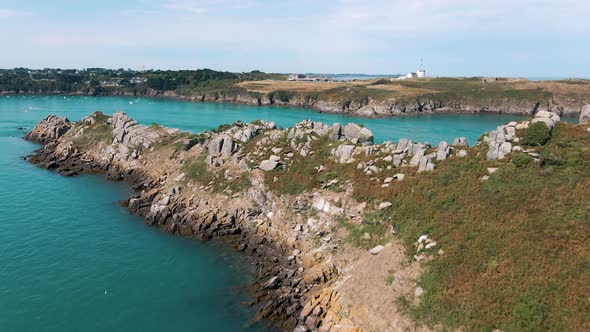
(421, 72)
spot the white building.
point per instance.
(137, 80)
(411, 75)
(421, 73)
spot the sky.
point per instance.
(519, 38)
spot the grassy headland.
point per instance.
(388, 97)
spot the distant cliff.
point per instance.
(380, 98)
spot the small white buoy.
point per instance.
(105, 291)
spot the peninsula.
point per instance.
(348, 235)
(362, 98)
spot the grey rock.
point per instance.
(336, 132)
(268, 165)
(48, 129)
(500, 135)
(272, 283)
(504, 149)
(397, 159)
(385, 205)
(344, 152)
(358, 134)
(426, 163)
(585, 114)
(402, 146)
(214, 147)
(493, 149)
(415, 161)
(228, 146)
(460, 142)
(443, 150)
(376, 250)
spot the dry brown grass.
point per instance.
(557, 88)
(402, 90)
(268, 86)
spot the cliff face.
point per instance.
(298, 200)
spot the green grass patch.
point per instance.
(197, 170)
(302, 175)
(99, 131)
(356, 233)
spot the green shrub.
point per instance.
(537, 134)
(550, 159)
(521, 160)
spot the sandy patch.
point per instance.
(371, 285)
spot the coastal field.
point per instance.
(464, 87)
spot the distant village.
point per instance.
(110, 78)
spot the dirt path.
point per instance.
(371, 284)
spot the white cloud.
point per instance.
(7, 13)
(194, 8)
(314, 35)
(203, 6)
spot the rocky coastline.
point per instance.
(363, 108)
(232, 184)
(280, 251)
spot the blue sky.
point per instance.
(454, 37)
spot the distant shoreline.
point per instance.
(319, 107)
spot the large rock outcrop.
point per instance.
(48, 129)
(129, 133)
(503, 141)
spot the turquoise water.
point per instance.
(197, 117)
(71, 259)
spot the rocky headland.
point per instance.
(316, 206)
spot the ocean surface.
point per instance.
(72, 259)
(197, 117)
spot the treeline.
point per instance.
(99, 80)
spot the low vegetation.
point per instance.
(536, 134)
(196, 169)
(99, 131)
(515, 246)
(303, 174)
